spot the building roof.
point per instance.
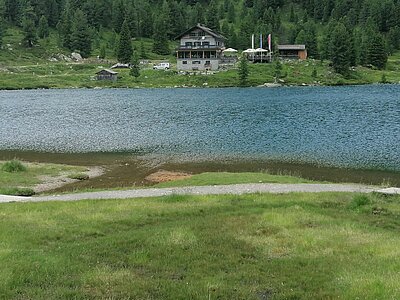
(291, 47)
(107, 71)
(204, 28)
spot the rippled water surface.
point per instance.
(343, 126)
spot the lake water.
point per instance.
(355, 127)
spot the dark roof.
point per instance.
(204, 28)
(107, 71)
(291, 47)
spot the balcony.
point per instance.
(197, 47)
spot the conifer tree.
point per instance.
(28, 26)
(143, 53)
(81, 39)
(102, 52)
(160, 37)
(243, 70)
(135, 66)
(124, 49)
(340, 49)
(43, 28)
(376, 52)
(64, 26)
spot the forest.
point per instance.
(346, 32)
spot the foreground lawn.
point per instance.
(222, 178)
(297, 246)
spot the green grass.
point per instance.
(17, 182)
(295, 246)
(221, 178)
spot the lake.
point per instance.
(354, 126)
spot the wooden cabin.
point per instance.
(106, 74)
(292, 52)
(200, 49)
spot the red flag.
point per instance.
(269, 42)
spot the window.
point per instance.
(184, 62)
(196, 62)
(188, 44)
(206, 44)
(192, 34)
(197, 44)
(202, 33)
(208, 62)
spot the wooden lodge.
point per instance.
(200, 49)
(292, 52)
(106, 74)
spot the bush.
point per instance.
(79, 176)
(24, 192)
(360, 200)
(13, 166)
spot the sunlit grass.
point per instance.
(221, 178)
(296, 246)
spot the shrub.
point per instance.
(13, 166)
(79, 176)
(24, 192)
(360, 200)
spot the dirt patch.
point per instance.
(166, 176)
(50, 183)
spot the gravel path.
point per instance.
(237, 189)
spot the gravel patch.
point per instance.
(236, 189)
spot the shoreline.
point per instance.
(124, 170)
(265, 86)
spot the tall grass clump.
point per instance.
(359, 201)
(13, 166)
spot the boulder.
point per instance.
(76, 56)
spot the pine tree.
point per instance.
(135, 65)
(376, 52)
(102, 52)
(81, 39)
(277, 70)
(160, 37)
(143, 53)
(124, 49)
(43, 28)
(340, 49)
(64, 26)
(243, 70)
(28, 26)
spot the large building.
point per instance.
(200, 49)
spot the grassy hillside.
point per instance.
(21, 67)
(297, 246)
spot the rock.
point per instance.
(76, 56)
(389, 191)
(271, 85)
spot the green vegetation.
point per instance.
(13, 166)
(79, 176)
(19, 179)
(296, 246)
(221, 178)
(349, 34)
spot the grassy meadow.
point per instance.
(261, 246)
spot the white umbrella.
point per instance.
(230, 50)
(249, 51)
(261, 50)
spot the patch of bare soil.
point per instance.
(166, 176)
(50, 183)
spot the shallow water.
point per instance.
(357, 127)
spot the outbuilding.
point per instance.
(292, 51)
(106, 74)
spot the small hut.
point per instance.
(292, 51)
(106, 74)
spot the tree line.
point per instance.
(347, 32)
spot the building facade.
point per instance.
(292, 52)
(200, 49)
